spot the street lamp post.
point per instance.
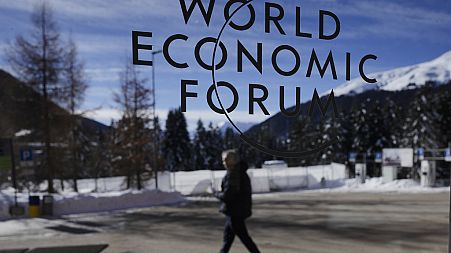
(449, 214)
(13, 170)
(154, 118)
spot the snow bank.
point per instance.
(377, 185)
(263, 180)
(87, 185)
(86, 203)
(73, 203)
(199, 182)
(6, 199)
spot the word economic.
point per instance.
(273, 14)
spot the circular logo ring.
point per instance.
(249, 141)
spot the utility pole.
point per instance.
(155, 164)
(13, 170)
(449, 214)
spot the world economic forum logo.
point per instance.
(329, 27)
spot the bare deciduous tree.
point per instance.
(38, 60)
(133, 136)
(75, 87)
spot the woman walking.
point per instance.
(236, 201)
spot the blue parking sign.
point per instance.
(420, 153)
(448, 155)
(26, 154)
(352, 156)
(378, 157)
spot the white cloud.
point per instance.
(383, 10)
(102, 75)
(101, 44)
(393, 20)
(105, 115)
(81, 9)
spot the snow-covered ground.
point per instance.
(377, 185)
(108, 194)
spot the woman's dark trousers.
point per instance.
(236, 226)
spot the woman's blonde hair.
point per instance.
(231, 154)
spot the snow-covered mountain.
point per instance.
(438, 70)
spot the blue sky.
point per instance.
(400, 33)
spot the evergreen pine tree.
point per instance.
(230, 139)
(362, 126)
(442, 104)
(298, 139)
(200, 147)
(379, 130)
(345, 133)
(420, 128)
(329, 133)
(176, 143)
(159, 136)
(393, 118)
(213, 148)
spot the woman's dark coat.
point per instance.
(236, 194)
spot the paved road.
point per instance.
(308, 222)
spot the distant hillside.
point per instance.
(398, 84)
(20, 108)
(279, 125)
(243, 126)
